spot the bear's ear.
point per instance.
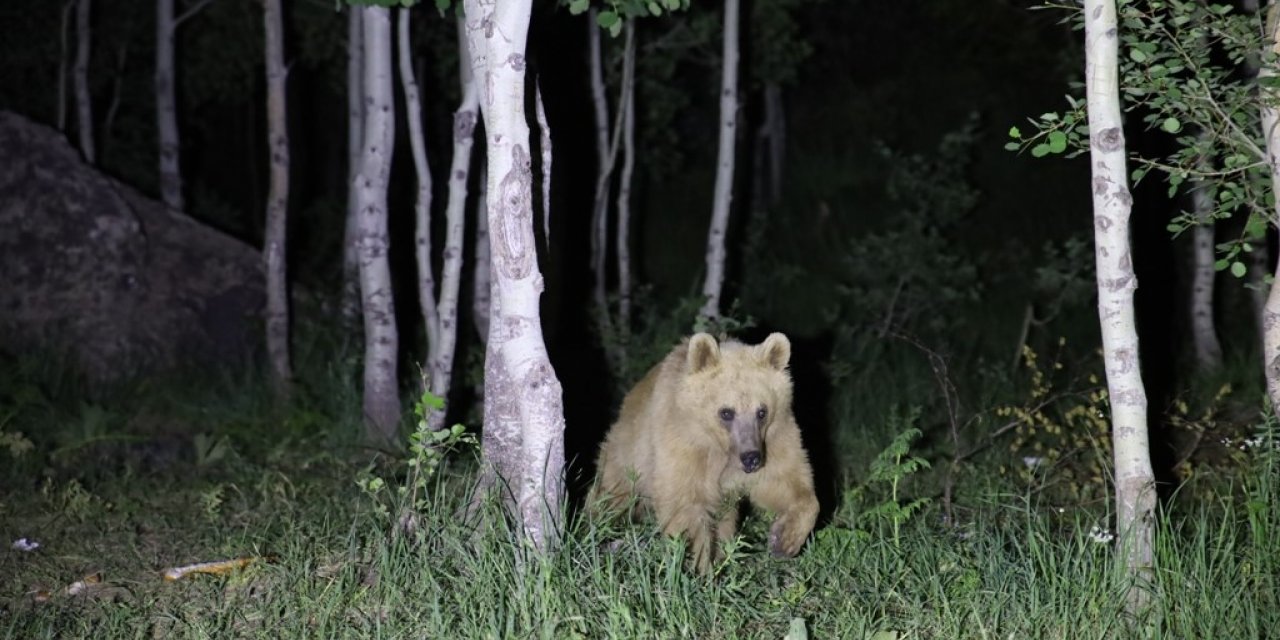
(704, 352)
(775, 351)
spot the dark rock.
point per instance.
(91, 268)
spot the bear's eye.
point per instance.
(726, 414)
(761, 413)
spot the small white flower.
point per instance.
(1100, 535)
(1250, 443)
(1032, 461)
(22, 544)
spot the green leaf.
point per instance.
(1238, 269)
(442, 5)
(1171, 124)
(1137, 56)
(1015, 133)
(576, 7)
(1039, 151)
(607, 19)
(1011, 146)
(654, 9)
(1219, 265)
(1057, 141)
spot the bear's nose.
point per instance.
(751, 461)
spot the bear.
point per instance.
(708, 425)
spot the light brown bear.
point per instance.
(708, 425)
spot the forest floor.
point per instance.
(98, 501)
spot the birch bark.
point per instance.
(464, 125)
(167, 109)
(381, 395)
(528, 413)
(422, 205)
(274, 241)
(1112, 204)
(623, 228)
(84, 102)
(1270, 122)
(715, 256)
(1204, 335)
(482, 289)
(604, 169)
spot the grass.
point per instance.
(126, 489)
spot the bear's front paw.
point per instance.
(784, 540)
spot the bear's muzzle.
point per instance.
(752, 461)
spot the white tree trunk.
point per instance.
(274, 241)
(62, 63)
(1271, 130)
(482, 285)
(381, 394)
(1112, 204)
(715, 255)
(623, 229)
(604, 168)
(422, 204)
(84, 103)
(167, 109)
(464, 126)
(497, 34)
(544, 148)
(1204, 335)
(349, 298)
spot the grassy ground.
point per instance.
(117, 493)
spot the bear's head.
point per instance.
(737, 391)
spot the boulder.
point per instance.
(92, 270)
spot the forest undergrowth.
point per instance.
(100, 496)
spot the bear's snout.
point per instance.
(751, 461)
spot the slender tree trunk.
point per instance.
(275, 240)
(1208, 351)
(464, 125)
(349, 299)
(544, 148)
(422, 205)
(1112, 204)
(1271, 131)
(714, 283)
(482, 285)
(497, 34)
(167, 109)
(604, 168)
(62, 63)
(113, 107)
(84, 103)
(381, 394)
(623, 229)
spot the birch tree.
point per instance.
(715, 254)
(524, 411)
(62, 63)
(623, 229)
(604, 169)
(349, 299)
(84, 102)
(167, 102)
(1112, 204)
(464, 125)
(1204, 334)
(274, 240)
(381, 341)
(1267, 72)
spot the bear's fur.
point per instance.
(708, 425)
